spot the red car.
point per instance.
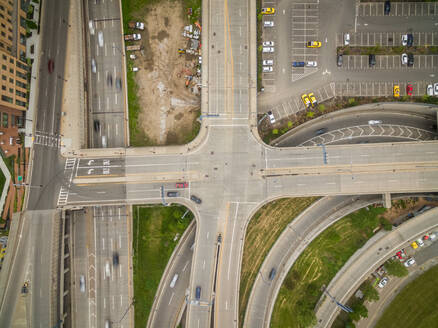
(409, 89)
(399, 255)
(51, 66)
(182, 184)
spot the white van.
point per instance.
(173, 282)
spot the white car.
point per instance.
(268, 24)
(435, 89)
(311, 64)
(271, 117)
(82, 283)
(93, 65)
(383, 282)
(374, 122)
(346, 39)
(100, 38)
(404, 59)
(268, 62)
(409, 262)
(135, 69)
(267, 69)
(107, 269)
(268, 49)
(268, 44)
(420, 242)
(91, 27)
(404, 39)
(132, 56)
(429, 91)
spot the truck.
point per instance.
(135, 47)
(132, 37)
(136, 25)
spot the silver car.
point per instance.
(429, 90)
(268, 44)
(267, 69)
(93, 65)
(268, 62)
(435, 89)
(268, 24)
(82, 283)
(100, 38)
(374, 122)
(268, 49)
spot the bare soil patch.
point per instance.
(168, 108)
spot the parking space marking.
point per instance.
(360, 62)
(378, 88)
(386, 39)
(399, 9)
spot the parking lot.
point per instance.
(399, 9)
(387, 39)
(378, 89)
(389, 62)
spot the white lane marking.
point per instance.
(232, 240)
(114, 49)
(185, 266)
(120, 238)
(107, 103)
(364, 155)
(98, 102)
(171, 297)
(112, 244)
(121, 300)
(114, 301)
(208, 234)
(98, 76)
(117, 129)
(120, 270)
(331, 183)
(105, 49)
(104, 302)
(226, 305)
(100, 192)
(103, 243)
(115, 96)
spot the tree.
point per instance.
(359, 311)
(369, 292)
(395, 268)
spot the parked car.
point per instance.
(82, 283)
(396, 91)
(268, 44)
(429, 90)
(172, 194)
(268, 49)
(372, 60)
(435, 89)
(374, 122)
(404, 39)
(414, 245)
(313, 99)
(306, 100)
(119, 83)
(320, 131)
(410, 40)
(432, 236)
(410, 60)
(311, 64)
(409, 89)
(340, 60)
(197, 200)
(267, 69)
(271, 117)
(135, 69)
(387, 7)
(268, 11)
(298, 64)
(181, 185)
(420, 242)
(347, 39)
(268, 62)
(404, 59)
(409, 262)
(268, 24)
(313, 44)
(383, 282)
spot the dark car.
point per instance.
(96, 124)
(340, 60)
(198, 292)
(298, 64)
(272, 273)
(109, 80)
(387, 7)
(320, 131)
(119, 83)
(172, 194)
(410, 40)
(410, 60)
(51, 65)
(372, 60)
(219, 239)
(115, 259)
(197, 200)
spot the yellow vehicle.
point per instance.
(313, 44)
(306, 100)
(396, 91)
(414, 245)
(313, 99)
(268, 11)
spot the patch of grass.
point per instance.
(262, 232)
(196, 6)
(154, 230)
(416, 305)
(196, 126)
(317, 266)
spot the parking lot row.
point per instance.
(378, 89)
(386, 39)
(389, 62)
(399, 9)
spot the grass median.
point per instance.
(155, 229)
(263, 230)
(416, 305)
(318, 264)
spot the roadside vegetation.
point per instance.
(416, 305)
(381, 50)
(319, 263)
(156, 232)
(263, 230)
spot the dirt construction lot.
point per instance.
(168, 109)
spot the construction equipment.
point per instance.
(133, 47)
(132, 37)
(136, 25)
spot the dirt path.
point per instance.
(168, 108)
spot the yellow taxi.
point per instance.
(414, 245)
(313, 44)
(306, 100)
(396, 91)
(268, 11)
(313, 99)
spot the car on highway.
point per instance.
(115, 259)
(320, 131)
(404, 40)
(414, 245)
(107, 269)
(313, 99)
(410, 60)
(429, 90)
(311, 64)
(404, 59)
(387, 7)
(271, 117)
(96, 125)
(409, 262)
(172, 194)
(339, 60)
(174, 279)
(91, 27)
(435, 89)
(100, 38)
(420, 242)
(107, 324)
(219, 238)
(196, 199)
(181, 185)
(347, 39)
(51, 65)
(372, 60)
(268, 43)
(119, 83)
(306, 100)
(272, 274)
(313, 44)
(268, 24)
(268, 11)
(109, 80)
(267, 69)
(198, 292)
(374, 122)
(410, 40)
(82, 283)
(93, 65)
(396, 91)
(298, 64)
(383, 282)
(268, 62)
(268, 49)
(409, 90)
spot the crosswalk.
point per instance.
(46, 139)
(70, 166)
